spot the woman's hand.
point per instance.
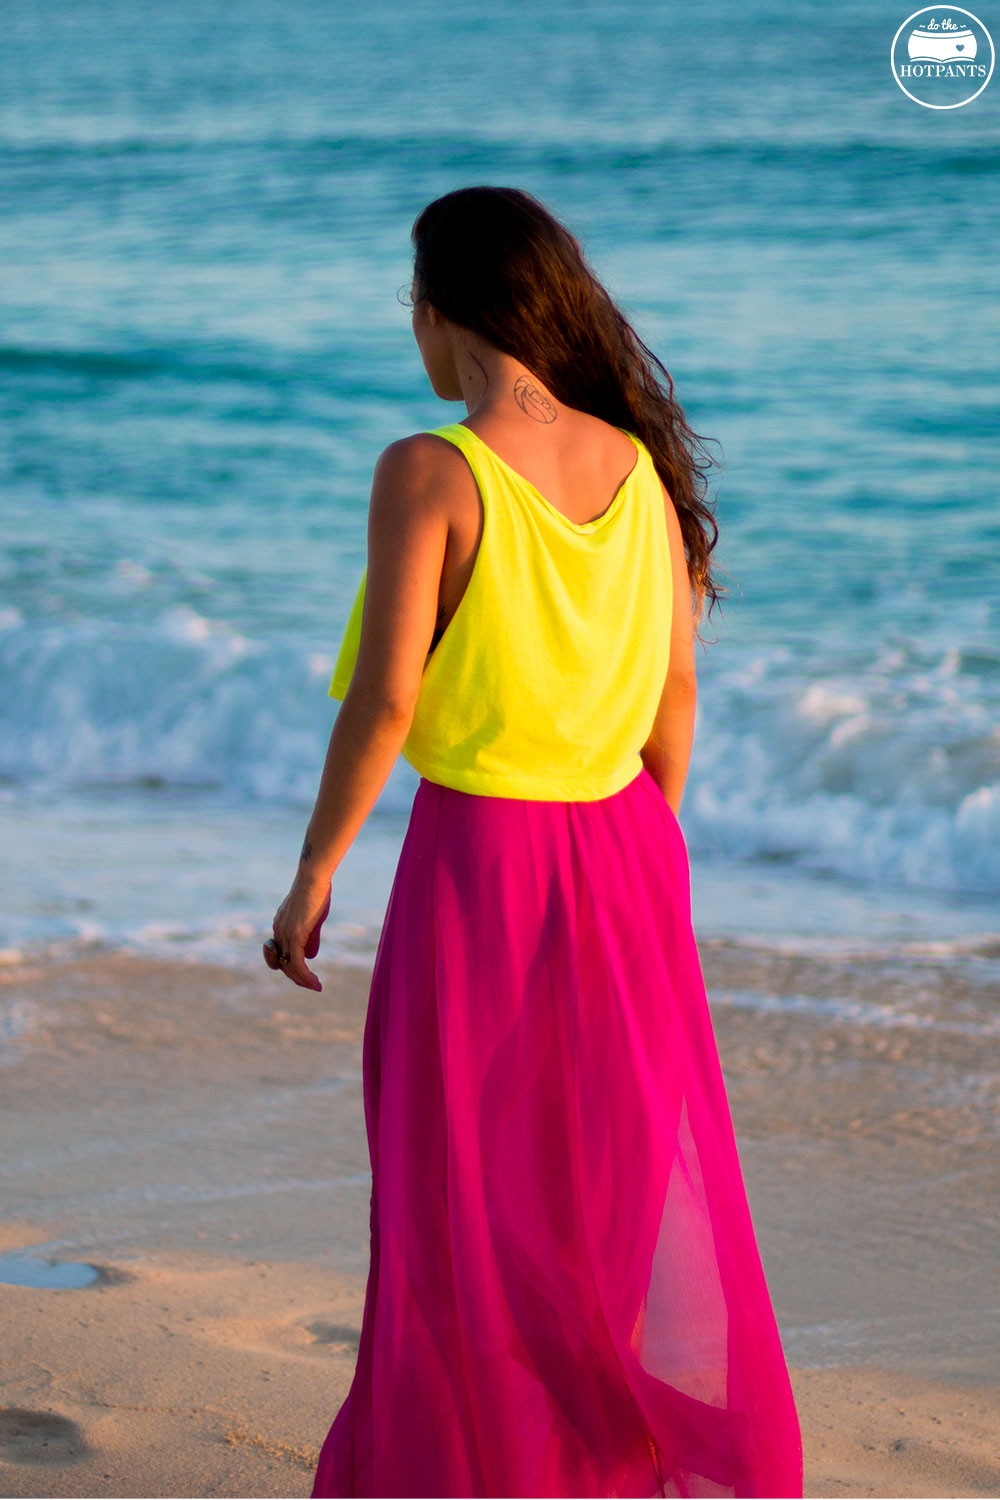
(296, 926)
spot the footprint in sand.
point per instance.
(335, 1333)
(39, 1437)
(296, 1339)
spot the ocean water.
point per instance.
(204, 227)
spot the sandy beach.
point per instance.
(197, 1134)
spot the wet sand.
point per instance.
(198, 1133)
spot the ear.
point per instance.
(433, 316)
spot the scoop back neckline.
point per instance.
(579, 526)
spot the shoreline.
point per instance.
(198, 1132)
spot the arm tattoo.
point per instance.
(307, 850)
(532, 401)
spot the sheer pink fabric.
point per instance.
(565, 1296)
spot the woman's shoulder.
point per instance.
(423, 467)
(432, 448)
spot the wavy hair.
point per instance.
(495, 261)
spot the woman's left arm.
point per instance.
(407, 539)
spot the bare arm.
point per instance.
(667, 752)
(407, 538)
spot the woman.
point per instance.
(565, 1294)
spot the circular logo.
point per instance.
(942, 57)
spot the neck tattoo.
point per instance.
(533, 402)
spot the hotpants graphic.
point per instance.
(942, 57)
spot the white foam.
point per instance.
(853, 1013)
(887, 773)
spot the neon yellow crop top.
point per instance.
(546, 681)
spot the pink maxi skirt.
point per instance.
(565, 1296)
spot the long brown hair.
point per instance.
(495, 261)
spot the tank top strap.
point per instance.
(480, 458)
(457, 433)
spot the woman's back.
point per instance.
(578, 462)
(546, 675)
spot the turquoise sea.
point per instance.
(204, 221)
